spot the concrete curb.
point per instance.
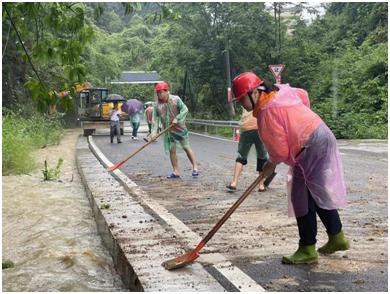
(136, 240)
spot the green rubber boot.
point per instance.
(304, 254)
(335, 243)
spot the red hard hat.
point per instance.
(161, 86)
(244, 83)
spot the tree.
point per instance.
(50, 37)
(341, 60)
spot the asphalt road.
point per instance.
(259, 233)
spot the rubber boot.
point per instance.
(335, 243)
(304, 254)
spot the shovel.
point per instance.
(119, 164)
(189, 257)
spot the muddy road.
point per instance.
(259, 233)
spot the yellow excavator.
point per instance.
(94, 108)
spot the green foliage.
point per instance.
(54, 36)
(340, 58)
(105, 206)
(22, 135)
(225, 132)
(111, 17)
(7, 264)
(197, 43)
(53, 173)
(17, 146)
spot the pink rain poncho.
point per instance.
(177, 136)
(297, 136)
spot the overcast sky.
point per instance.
(306, 15)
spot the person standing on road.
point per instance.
(115, 123)
(295, 135)
(149, 119)
(170, 109)
(248, 137)
(135, 119)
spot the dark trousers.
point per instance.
(135, 128)
(307, 224)
(115, 129)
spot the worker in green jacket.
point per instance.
(170, 109)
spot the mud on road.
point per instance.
(259, 233)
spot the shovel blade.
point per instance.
(180, 261)
(269, 179)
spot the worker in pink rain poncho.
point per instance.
(168, 110)
(295, 135)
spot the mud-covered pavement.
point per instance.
(259, 233)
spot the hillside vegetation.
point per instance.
(340, 58)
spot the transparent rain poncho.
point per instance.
(165, 113)
(286, 126)
(136, 117)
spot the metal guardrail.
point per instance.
(217, 123)
(214, 123)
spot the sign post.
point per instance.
(276, 70)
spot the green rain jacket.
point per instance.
(166, 113)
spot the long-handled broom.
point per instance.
(189, 257)
(119, 164)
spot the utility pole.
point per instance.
(228, 78)
(276, 27)
(279, 34)
(278, 38)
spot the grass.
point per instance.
(7, 264)
(22, 135)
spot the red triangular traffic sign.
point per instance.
(276, 69)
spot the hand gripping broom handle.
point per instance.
(226, 215)
(114, 167)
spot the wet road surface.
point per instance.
(259, 233)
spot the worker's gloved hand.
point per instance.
(174, 121)
(268, 169)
